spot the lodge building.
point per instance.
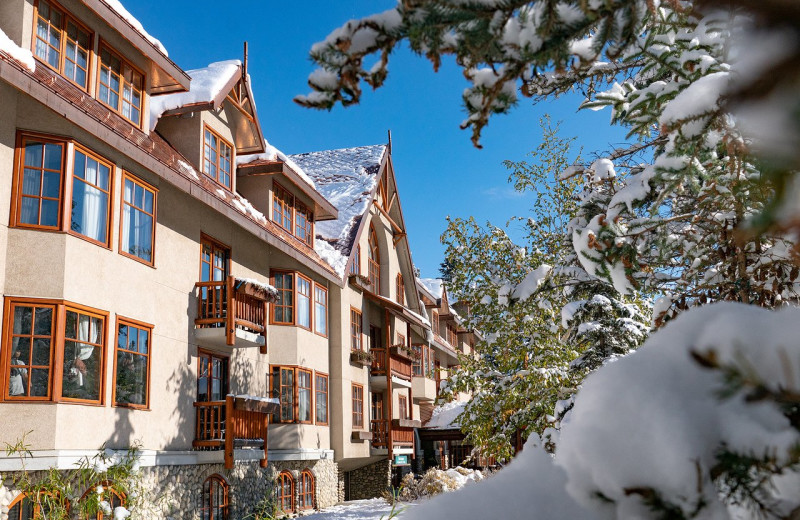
(251, 320)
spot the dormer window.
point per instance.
(292, 215)
(120, 86)
(62, 43)
(217, 158)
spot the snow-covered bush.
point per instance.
(701, 422)
(435, 482)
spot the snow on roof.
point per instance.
(273, 154)
(116, 5)
(435, 286)
(347, 178)
(444, 416)
(205, 86)
(24, 56)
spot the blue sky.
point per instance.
(439, 172)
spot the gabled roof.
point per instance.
(210, 87)
(348, 178)
(165, 75)
(435, 286)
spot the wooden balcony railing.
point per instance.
(401, 437)
(231, 304)
(235, 422)
(399, 365)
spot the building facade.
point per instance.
(252, 321)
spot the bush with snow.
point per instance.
(435, 482)
(701, 422)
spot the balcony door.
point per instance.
(212, 377)
(214, 269)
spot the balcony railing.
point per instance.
(232, 304)
(235, 422)
(398, 363)
(401, 437)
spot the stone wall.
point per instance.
(175, 492)
(370, 481)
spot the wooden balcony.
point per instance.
(232, 312)
(236, 422)
(395, 361)
(382, 431)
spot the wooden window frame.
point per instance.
(211, 354)
(37, 504)
(284, 211)
(108, 487)
(281, 497)
(57, 341)
(221, 141)
(355, 267)
(123, 62)
(317, 377)
(274, 305)
(311, 394)
(418, 363)
(140, 325)
(306, 498)
(377, 408)
(401, 339)
(110, 193)
(310, 296)
(452, 335)
(402, 407)
(215, 245)
(356, 330)
(206, 505)
(66, 18)
(324, 304)
(307, 226)
(374, 260)
(358, 397)
(400, 289)
(126, 176)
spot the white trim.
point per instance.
(68, 459)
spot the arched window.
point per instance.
(23, 508)
(306, 491)
(374, 261)
(108, 494)
(214, 502)
(285, 489)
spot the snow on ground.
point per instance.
(373, 509)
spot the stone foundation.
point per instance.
(370, 481)
(175, 492)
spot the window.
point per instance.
(23, 508)
(138, 219)
(283, 384)
(285, 491)
(303, 224)
(303, 302)
(452, 336)
(62, 43)
(355, 330)
(38, 200)
(32, 329)
(417, 362)
(377, 407)
(214, 260)
(402, 406)
(282, 309)
(91, 192)
(374, 261)
(375, 337)
(321, 398)
(306, 493)
(108, 494)
(39, 190)
(214, 502)
(400, 289)
(212, 377)
(304, 396)
(120, 85)
(282, 202)
(401, 340)
(355, 267)
(321, 310)
(132, 364)
(358, 406)
(217, 158)
(435, 322)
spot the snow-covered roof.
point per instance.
(273, 154)
(23, 56)
(116, 5)
(435, 286)
(444, 416)
(347, 178)
(207, 84)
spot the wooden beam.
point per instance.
(389, 442)
(230, 319)
(391, 201)
(229, 433)
(398, 237)
(386, 214)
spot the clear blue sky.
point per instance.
(439, 172)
